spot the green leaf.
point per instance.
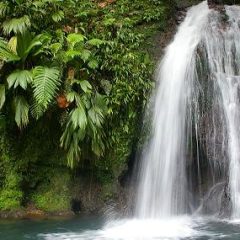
(21, 111)
(96, 116)
(4, 9)
(6, 54)
(71, 96)
(28, 44)
(16, 25)
(95, 42)
(70, 141)
(85, 85)
(2, 95)
(71, 54)
(55, 47)
(85, 55)
(12, 44)
(46, 82)
(58, 16)
(109, 21)
(74, 38)
(79, 118)
(37, 110)
(93, 64)
(19, 78)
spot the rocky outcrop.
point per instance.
(227, 2)
(181, 4)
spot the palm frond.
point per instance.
(16, 25)
(46, 82)
(79, 118)
(21, 111)
(27, 43)
(70, 141)
(19, 78)
(6, 54)
(2, 95)
(4, 9)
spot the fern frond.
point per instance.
(46, 82)
(37, 110)
(16, 25)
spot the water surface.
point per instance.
(179, 228)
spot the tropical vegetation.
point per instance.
(74, 79)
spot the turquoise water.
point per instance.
(95, 229)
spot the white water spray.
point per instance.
(162, 188)
(208, 40)
(222, 42)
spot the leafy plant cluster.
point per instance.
(81, 65)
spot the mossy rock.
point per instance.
(53, 195)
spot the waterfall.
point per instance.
(162, 189)
(196, 106)
(222, 44)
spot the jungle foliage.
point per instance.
(74, 77)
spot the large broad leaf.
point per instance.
(16, 25)
(21, 111)
(2, 95)
(46, 82)
(19, 78)
(12, 44)
(6, 54)
(29, 44)
(85, 85)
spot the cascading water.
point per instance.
(197, 103)
(162, 188)
(221, 40)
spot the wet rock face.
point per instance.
(181, 4)
(227, 2)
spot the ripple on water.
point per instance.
(167, 229)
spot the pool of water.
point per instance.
(92, 228)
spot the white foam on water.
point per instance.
(136, 229)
